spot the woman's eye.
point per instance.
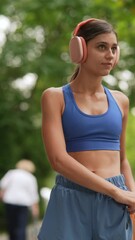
(102, 47)
(114, 49)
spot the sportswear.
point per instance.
(84, 132)
(78, 213)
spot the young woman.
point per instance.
(84, 130)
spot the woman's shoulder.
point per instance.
(52, 91)
(121, 99)
(52, 97)
(120, 96)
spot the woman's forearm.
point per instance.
(76, 172)
(127, 172)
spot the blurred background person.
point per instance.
(19, 192)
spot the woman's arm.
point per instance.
(61, 161)
(125, 166)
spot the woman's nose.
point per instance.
(110, 54)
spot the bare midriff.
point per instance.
(104, 163)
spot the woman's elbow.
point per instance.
(57, 162)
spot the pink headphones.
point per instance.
(78, 47)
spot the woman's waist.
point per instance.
(103, 163)
(117, 180)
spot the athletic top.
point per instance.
(84, 132)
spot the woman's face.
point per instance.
(102, 54)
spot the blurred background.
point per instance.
(34, 55)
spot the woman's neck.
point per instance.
(87, 82)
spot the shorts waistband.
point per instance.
(118, 181)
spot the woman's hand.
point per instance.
(126, 197)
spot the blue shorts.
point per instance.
(77, 213)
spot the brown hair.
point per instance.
(89, 31)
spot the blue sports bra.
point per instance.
(85, 132)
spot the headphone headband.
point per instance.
(81, 24)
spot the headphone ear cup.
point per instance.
(117, 56)
(77, 49)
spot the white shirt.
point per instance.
(20, 187)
